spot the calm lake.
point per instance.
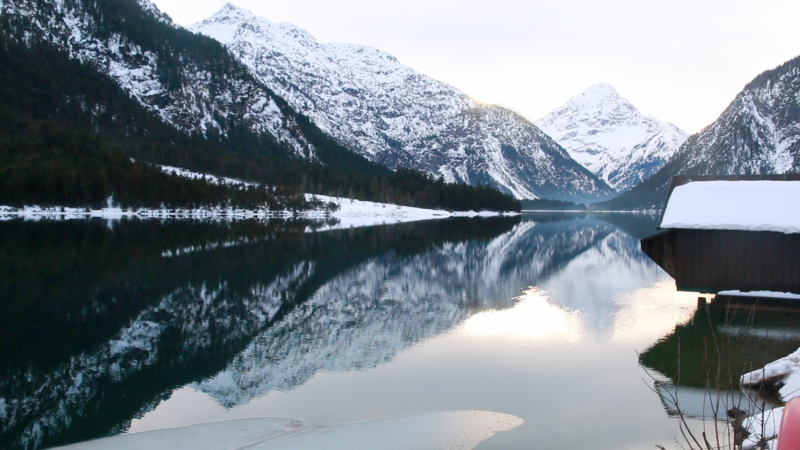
(558, 319)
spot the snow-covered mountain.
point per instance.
(396, 116)
(610, 137)
(758, 134)
(188, 81)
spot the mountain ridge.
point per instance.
(159, 66)
(391, 114)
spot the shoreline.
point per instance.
(348, 213)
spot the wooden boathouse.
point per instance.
(724, 233)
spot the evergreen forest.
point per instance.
(70, 136)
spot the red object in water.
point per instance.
(789, 436)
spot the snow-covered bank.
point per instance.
(761, 294)
(36, 212)
(429, 431)
(357, 213)
(350, 213)
(785, 373)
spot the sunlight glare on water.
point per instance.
(534, 319)
(643, 316)
(652, 312)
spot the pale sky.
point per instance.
(682, 61)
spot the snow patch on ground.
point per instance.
(211, 179)
(429, 431)
(757, 205)
(784, 372)
(762, 427)
(358, 213)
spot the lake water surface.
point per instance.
(130, 326)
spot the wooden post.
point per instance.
(701, 302)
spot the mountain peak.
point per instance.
(602, 100)
(610, 137)
(600, 89)
(229, 10)
(152, 9)
(767, 109)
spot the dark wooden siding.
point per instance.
(716, 260)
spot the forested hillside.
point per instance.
(68, 131)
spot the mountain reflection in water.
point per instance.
(104, 323)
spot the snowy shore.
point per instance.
(348, 214)
(785, 373)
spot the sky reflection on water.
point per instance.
(567, 344)
(541, 318)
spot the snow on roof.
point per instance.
(752, 205)
(762, 294)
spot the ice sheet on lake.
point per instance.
(434, 431)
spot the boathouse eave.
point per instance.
(661, 233)
(734, 202)
(717, 260)
(719, 257)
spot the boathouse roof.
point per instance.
(745, 203)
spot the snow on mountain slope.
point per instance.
(393, 115)
(158, 64)
(611, 138)
(757, 134)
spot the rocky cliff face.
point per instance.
(611, 138)
(396, 116)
